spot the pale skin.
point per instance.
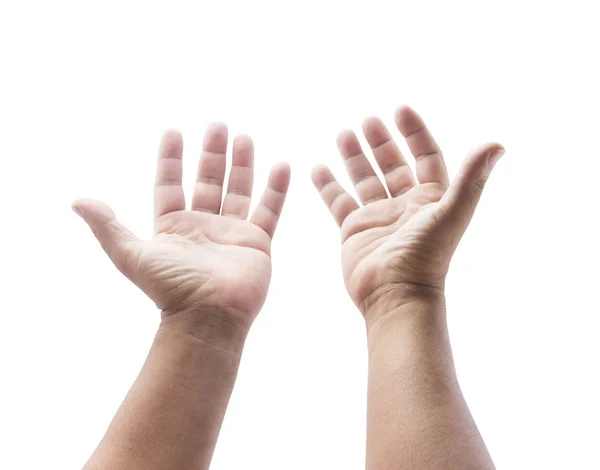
(396, 250)
(208, 271)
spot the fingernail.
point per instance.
(77, 210)
(495, 156)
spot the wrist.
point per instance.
(413, 330)
(206, 327)
(415, 306)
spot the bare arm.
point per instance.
(416, 412)
(396, 249)
(208, 269)
(172, 415)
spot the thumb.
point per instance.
(461, 198)
(114, 237)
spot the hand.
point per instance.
(208, 257)
(402, 242)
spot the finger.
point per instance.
(365, 181)
(430, 163)
(211, 170)
(168, 193)
(339, 202)
(461, 198)
(398, 175)
(241, 177)
(266, 215)
(116, 240)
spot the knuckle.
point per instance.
(479, 183)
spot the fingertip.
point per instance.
(319, 169)
(91, 209)
(217, 127)
(407, 120)
(81, 203)
(371, 121)
(243, 150)
(404, 111)
(466, 189)
(375, 131)
(482, 159)
(215, 137)
(497, 150)
(348, 143)
(171, 134)
(280, 176)
(76, 207)
(344, 135)
(243, 140)
(283, 167)
(320, 175)
(171, 144)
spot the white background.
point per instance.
(86, 90)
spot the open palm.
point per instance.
(207, 257)
(405, 239)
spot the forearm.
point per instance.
(417, 416)
(172, 415)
